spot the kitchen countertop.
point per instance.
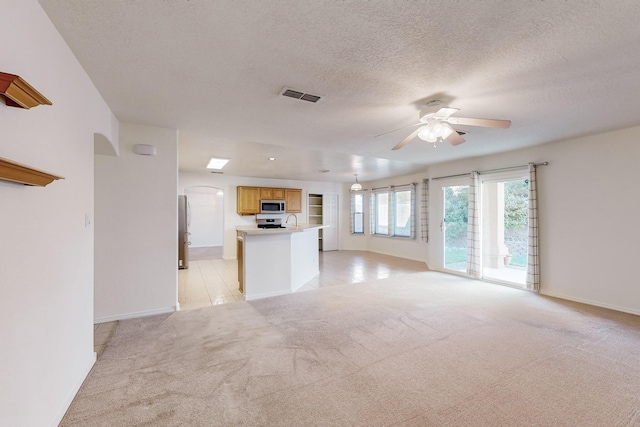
(248, 229)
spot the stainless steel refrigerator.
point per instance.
(184, 216)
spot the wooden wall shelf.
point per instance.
(15, 172)
(19, 93)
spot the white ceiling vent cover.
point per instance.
(292, 93)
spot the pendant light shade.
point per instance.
(356, 186)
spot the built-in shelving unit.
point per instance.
(16, 172)
(315, 214)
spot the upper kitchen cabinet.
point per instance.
(271, 193)
(278, 193)
(266, 193)
(293, 199)
(249, 200)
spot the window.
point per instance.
(402, 206)
(393, 211)
(357, 213)
(382, 213)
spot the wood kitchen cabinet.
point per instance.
(278, 193)
(293, 199)
(248, 200)
(266, 193)
(271, 193)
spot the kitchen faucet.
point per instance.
(292, 215)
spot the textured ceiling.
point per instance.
(214, 71)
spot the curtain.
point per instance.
(533, 262)
(473, 229)
(412, 232)
(424, 211)
(391, 212)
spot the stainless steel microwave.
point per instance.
(272, 206)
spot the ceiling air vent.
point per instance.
(300, 95)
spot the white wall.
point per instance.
(136, 235)
(588, 203)
(206, 218)
(46, 252)
(229, 183)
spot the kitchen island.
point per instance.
(276, 261)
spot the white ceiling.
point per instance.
(214, 71)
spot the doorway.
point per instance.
(455, 200)
(205, 222)
(323, 209)
(504, 222)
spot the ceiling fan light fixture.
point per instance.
(446, 131)
(427, 134)
(424, 133)
(438, 129)
(435, 131)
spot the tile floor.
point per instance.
(207, 283)
(211, 282)
(215, 281)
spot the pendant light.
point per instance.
(356, 186)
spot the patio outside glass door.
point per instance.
(505, 212)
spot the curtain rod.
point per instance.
(512, 168)
(492, 170)
(451, 176)
(394, 186)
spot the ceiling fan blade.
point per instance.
(445, 112)
(395, 130)
(407, 139)
(489, 123)
(454, 138)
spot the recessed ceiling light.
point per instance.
(272, 158)
(217, 163)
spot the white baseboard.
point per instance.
(590, 302)
(74, 390)
(136, 314)
(266, 295)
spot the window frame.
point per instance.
(377, 215)
(354, 212)
(392, 209)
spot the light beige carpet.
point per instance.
(424, 349)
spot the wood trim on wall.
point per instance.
(16, 172)
(19, 93)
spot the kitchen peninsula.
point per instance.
(276, 261)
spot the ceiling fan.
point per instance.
(435, 125)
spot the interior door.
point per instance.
(330, 218)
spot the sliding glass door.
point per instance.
(504, 219)
(454, 227)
